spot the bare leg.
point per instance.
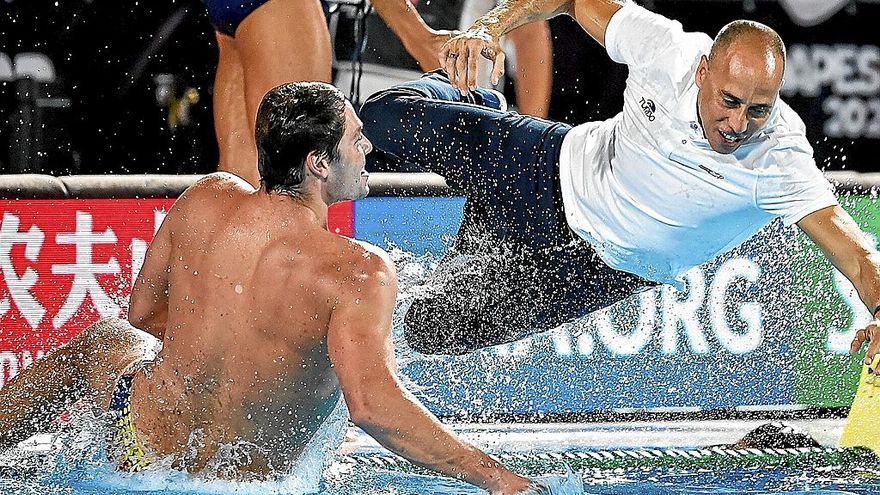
(534, 68)
(282, 41)
(87, 366)
(235, 137)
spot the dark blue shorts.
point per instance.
(226, 15)
(516, 268)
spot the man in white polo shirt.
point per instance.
(703, 155)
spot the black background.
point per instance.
(107, 53)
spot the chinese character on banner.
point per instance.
(20, 288)
(64, 264)
(85, 270)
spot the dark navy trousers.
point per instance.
(515, 267)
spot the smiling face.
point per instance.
(347, 178)
(738, 86)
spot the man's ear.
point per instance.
(317, 165)
(702, 69)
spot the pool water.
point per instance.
(863, 480)
(76, 466)
(752, 481)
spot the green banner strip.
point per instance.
(826, 375)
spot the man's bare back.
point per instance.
(245, 357)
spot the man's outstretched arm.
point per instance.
(461, 54)
(419, 39)
(360, 347)
(851, 252)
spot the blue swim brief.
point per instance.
(123, 445)
(226, 15)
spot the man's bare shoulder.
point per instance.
(360, 261)
(209, 193)
(375, 253)
(336, 269)
(215, 184)
(365, 280)
(328, 260)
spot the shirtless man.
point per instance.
(265, 319)
(264, 43)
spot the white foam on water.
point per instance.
(76, 457)
(304, 477)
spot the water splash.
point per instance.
(76, 457)
(568, 484)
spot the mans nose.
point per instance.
(738, 121)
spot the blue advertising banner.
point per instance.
(725, 341)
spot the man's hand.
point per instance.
(460, 57)
(856, 256)
(568, 484)
(429, 45)
(870, 334)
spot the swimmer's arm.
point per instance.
(360, 346)
(483, 37)
(148, 306)
(851, 252)
(417, 37)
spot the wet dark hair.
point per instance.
(293, 120)
(741, 28)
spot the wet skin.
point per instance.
(252, 279)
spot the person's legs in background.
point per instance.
(533, 67)
(234, 136)
(281, 41)
(529, 60)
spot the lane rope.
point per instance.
(603, 460)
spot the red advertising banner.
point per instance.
(67, 263)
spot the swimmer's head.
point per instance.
(347, 178)
(739, 83)
(308, 132)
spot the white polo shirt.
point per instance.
(646, 189)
